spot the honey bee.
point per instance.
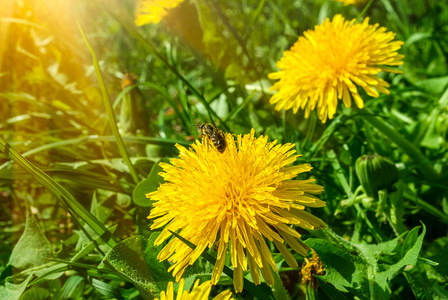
(216, 135)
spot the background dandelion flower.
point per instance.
(352, 2)
(237, 199)
(198, 292)
(328, 63)
(152, 11)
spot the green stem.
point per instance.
(364, 10)
(422, 162)
(109, 110)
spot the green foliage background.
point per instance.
(78, 152)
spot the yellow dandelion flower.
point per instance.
(198, 292)
(329, 62)
(236, 199)
(310, 268)
(352, 2)
(152, 11)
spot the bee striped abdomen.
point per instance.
(219, 141)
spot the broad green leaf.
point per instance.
(12, 290)
(102, 205)
(33, 248)
(330, 291)
(433, 85)
(49, 289)
(36, 293)
(344, 271)
(428, 280)
(146, 186)
(363, 275)
(422, 286)
(136, 258)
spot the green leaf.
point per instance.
(12, 291)
(136, 258)
(433, 85)
(278, 289)
(344, 271)
(33, 249)
(49, 289)
(73, 287)
(363, 274)
(106, 289)
(147, 186)
(330, 291)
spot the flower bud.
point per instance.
(375, 173)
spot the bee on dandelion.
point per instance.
(331, 62)
(240, 200)
(217, 136)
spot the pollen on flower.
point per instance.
(331, 62)
(311, 268)
(153, 11)
(237, 200)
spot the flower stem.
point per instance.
(422, 162)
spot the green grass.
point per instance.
(78, 153)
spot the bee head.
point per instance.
(207, 128)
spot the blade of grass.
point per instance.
(335, 123)
(93, 138)
(422, 163)
(364, 11)
(172, 102)
(109, 110)
(122, 94)
(237, 109)
(257, 13)
(67, 199)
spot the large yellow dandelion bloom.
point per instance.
(153, 11)
(198, 292)
(239, 199)
(329, 62)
